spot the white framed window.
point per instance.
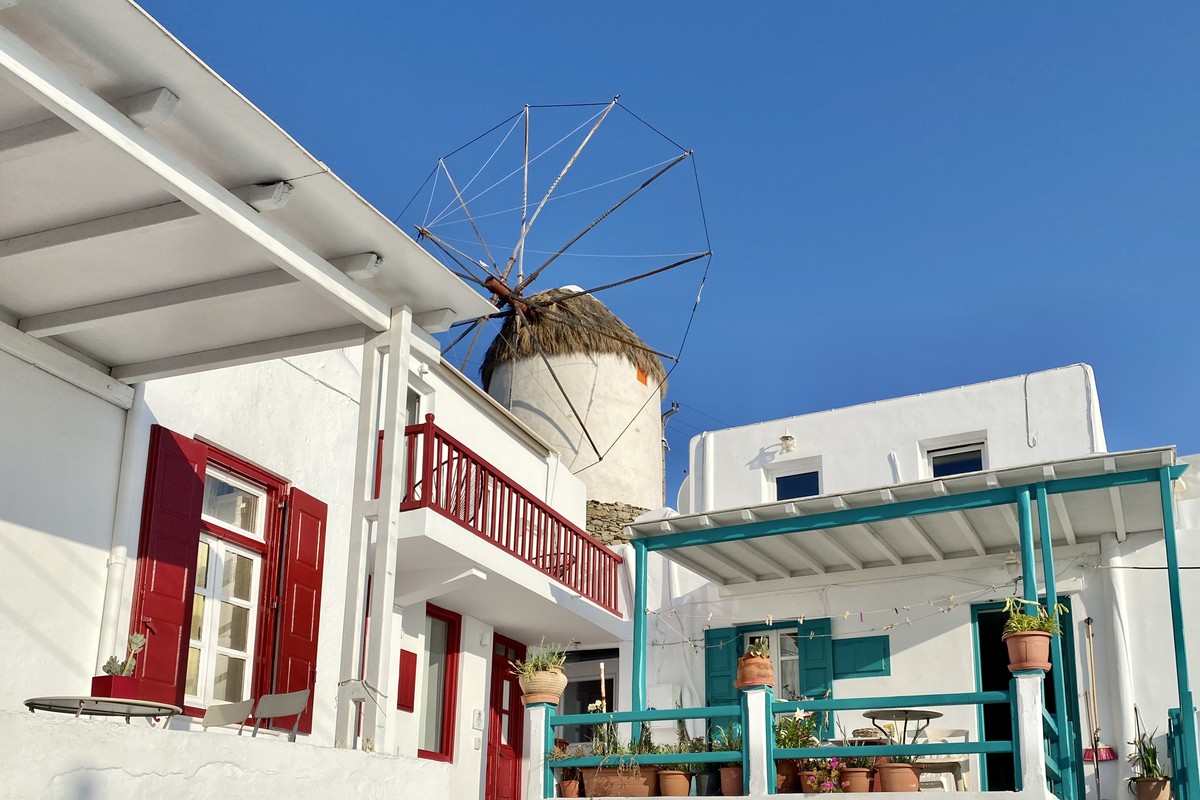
(234, 503)
(224, 620)
(793, 478)
(949, 461)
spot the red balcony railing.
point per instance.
(446, 476)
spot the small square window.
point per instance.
(956, 460)
(804, 484)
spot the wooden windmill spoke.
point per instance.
(570, 163)
(450, 250)
(474, 325)
(533, 275)
(687, 260)
(462, 202)
(524, 206)
(533, 338)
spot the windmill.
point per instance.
(587, 192)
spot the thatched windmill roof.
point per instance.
(593, 330)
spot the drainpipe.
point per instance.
(1120, 679)
(708, 476)
(126, 525)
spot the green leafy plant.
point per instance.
(728, 739)
(1144, 758)
(558, 754)
(1020, 620)
(125, 668)
(540, 659)
(759, 648)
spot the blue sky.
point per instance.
(901, 197)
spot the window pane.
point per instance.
(504, 725)
(237, 578)
(787, 646)
(197, 617)
(232, 505)
(956, 463)
(202, 566)
(436, 634)
(235, 627)
(806, 484)
(228, 683)
(506, 698)
(789, 679)
(191, 684)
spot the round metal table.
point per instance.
(105, 707)
(905, 715)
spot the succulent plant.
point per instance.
(125, 668)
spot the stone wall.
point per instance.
(607, 521)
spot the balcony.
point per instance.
(447, 477)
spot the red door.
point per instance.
(506, 723)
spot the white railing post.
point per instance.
(757, 702)
(533, 750)
(1032, 754)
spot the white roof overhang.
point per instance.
(919, 523)
(153, 222)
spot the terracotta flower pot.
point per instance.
(568, 788)
(1152, 788)
(786, 775)
(808, 781)
(899, 777)
(630, 781)
(754, 671)
(544, 686)
(115, 686)
(731, 782)
(1028, 650)
(856, 779)
(674, 783)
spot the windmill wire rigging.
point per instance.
(482, 167)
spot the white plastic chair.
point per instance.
(273, 706)
(944, 765)
(227, 714)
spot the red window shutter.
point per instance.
(406, 697)
(166, 568)
(303, 554)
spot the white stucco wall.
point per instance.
(63, 758)
(620, 412)
(60, 451)
(1023, 420)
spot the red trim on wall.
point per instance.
(406, 696)
(445, 751)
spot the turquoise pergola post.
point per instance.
(1190, 780)
(638, 612)
(1025, 530)
(1065, 755)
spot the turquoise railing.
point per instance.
(903, 701)
(643, 759)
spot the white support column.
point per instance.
(533, 748)
(756, 738)
(380, 673)
(1029, 730)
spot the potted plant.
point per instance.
(619, 774)
(674, 780)
(828, 774)
(729, 739)
(541, 674)
(568, 777)
(1150, 780)
(900, 774)
(856, 773)
(118, 680)
(755, 667)
(794, 731)
(1027, 635)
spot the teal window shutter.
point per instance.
(864, 657)
(814, 639)
(722, 647)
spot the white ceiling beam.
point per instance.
(839, 548)
(1064, 519)
(921, 536)
(62, 365)
(801, 553)
(75, 319)
(1006, 511)
(768, 559)
(436, 321)
(299, 344)
(882, 544)
(968, 531)
(51, 86)
(360, 266)
(262, 198)
(695, 566)
(732, 563)
(1114, 498)
(426, 586)
(143, 110)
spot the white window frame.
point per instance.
(938, 452)
(209, 626)
(260, 513)
(782, 468)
